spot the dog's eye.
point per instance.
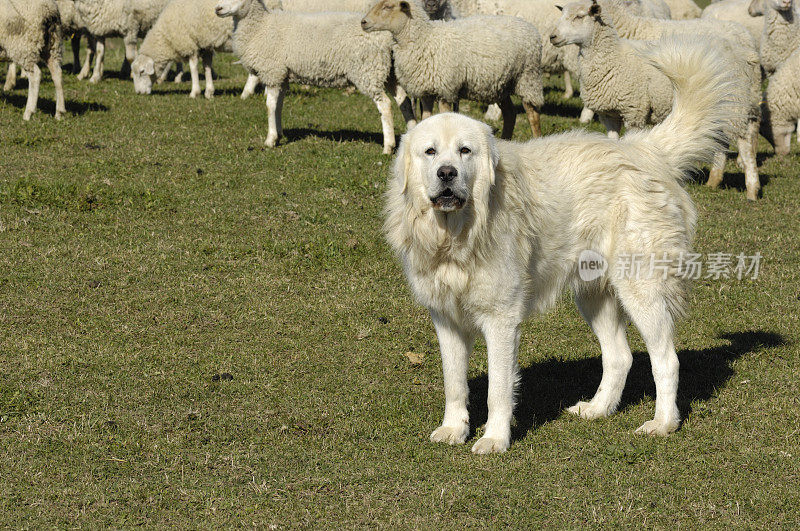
(430, 151)
(465, 150)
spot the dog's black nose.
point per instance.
(447, 173)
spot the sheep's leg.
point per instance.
(493, 113)
(130, 55)
(749, 165)
(797, 130)
(34, 78)
(178, 73)
(75, 44)
(165, 73)
(279, 108)
(91, 48)
(445, 106)
(195, 76)
(384, 105)
(11, 77)
(208, 57)
(613, 125)
(273, 100)
(406, 107)
(100, 51)
(250, 86)
(427, 106)
(569, 90)
(509, 118)
(587, 115)
(717, 170)
(54, 65)
(533, 118)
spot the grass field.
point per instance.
(199, 332)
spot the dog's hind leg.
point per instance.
(607, 321)
(502, 341)
(652, 317)
(455, 345)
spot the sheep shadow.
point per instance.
(549, 386)
(48, 106)
(341, 135)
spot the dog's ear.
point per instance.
(489, 157)
(402, 164)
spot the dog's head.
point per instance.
(446, 162)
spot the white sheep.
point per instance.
(484, 58)
(185, 29)
(683, 9)
(321, 49)
(30, 35)
(781, 107)
(616, 82)
(780, 34)
(648, 8)
(736, 11)
(436, 9)
(117, 18)
(587, 18)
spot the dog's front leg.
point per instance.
(502, 340)
(456, 345)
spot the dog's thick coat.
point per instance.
(490, 231)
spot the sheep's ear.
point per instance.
(405, 7)
(594, 10)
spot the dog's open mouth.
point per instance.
(447, 201)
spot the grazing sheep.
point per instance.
(780, 34)
(683, 9)
(185, 29)
(321, 49)
(736, 11)
(128, 19)
(781, 107)
(485, 58)
(585, 17)
(30, 35)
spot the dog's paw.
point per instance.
(450, 434)
(487, 445)
(658, 427)
(587, 410)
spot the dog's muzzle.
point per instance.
(447, 201)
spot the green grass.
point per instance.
(150, 244)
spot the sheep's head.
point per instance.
(782, 6)
(576, 24)
(388, 15)
(143, 70)
(756, 8)
(229, 8)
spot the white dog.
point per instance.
(489, 231)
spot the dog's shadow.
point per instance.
(547, 387)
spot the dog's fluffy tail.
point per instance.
(710, 102)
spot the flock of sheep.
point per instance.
(429, 50)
